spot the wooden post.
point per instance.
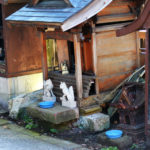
(44, 59)
(147, 84)
(78, 68)
(138, 49)
(95, 61)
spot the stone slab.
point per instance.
(122, 143)
(15, 137)
(95, 122)
(58, 114)
(22, 101)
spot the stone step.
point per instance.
(56, 115)
(90, 109)
(95, 122)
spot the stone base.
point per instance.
(12, 87)
(56, 115)
(122, 143)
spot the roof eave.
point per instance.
(37, 24)
(86, 13)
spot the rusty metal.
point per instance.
(131, 109)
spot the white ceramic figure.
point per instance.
(48, 93)
(64, 67)
(67, 99)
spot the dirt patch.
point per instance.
(68, 131)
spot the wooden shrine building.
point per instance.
(81, 33)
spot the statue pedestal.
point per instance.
(69, 104)
(45, 98)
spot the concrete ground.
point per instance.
(13, 137)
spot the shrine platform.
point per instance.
(56, 115)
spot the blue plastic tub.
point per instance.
(114, 134)
(46, 104)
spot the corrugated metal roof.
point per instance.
(48, 11)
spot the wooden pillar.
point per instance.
(44, 59)
(78, 67)
(95, 61)
(147, 84)
(138, 49)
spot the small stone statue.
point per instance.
(67, 99)
(64, 68)
(48, 93)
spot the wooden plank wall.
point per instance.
(24, 47)
(87, 54)
(117, 11)
(62, 51)
(117, 7)
(116, 58)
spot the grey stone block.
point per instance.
(95, 122)
(58, 114)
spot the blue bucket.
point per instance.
(46, 104)
(114, 134)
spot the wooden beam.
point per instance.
(137, 24)
(94, 50)
(78, 67)
(58, 35)
(44, 59)
(147, 83)
(138, 49)
(111, 27)
(37, 24)
(147, 23)
(115, 18)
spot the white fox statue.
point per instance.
(67, 99)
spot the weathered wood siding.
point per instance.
(117, 7)
(116, 58)
(24, 47)
(62, 51)
(87, 54)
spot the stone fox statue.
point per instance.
(67, 99)
(48, 86)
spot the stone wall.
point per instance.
(11, 87)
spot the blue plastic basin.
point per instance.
(114, 134)
(46, 104)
